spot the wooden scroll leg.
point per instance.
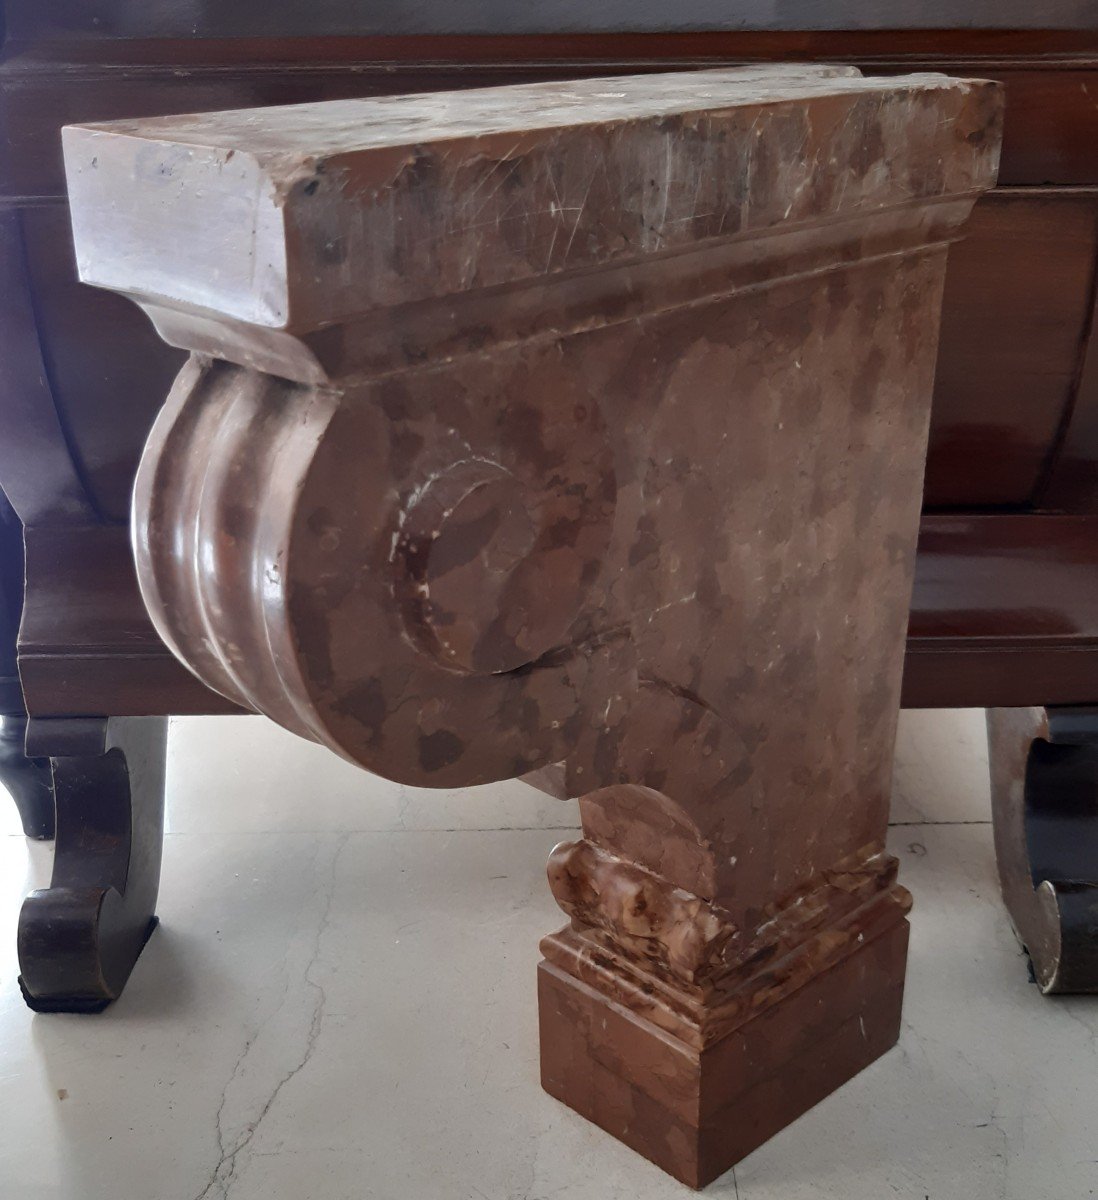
(80, 937)
(1044, 796)
(27, 779)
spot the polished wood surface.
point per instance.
(1016, 312)
(92, 648)
(38, 464)
(1071, 480)
(28, 780)
(1044, 795)
(347, 18)
(11, 606)
(80, 937)
(102, 362)
(1006, 606)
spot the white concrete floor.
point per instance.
(340, 1004)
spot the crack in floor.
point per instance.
(224, 1172)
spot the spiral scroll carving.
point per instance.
(396, 569)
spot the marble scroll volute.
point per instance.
(574, 423)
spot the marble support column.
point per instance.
(581, 424)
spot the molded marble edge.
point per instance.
(436, 331)
(305, 216)
(702, 1018)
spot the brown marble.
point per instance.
(696, 1112)
(577, 424)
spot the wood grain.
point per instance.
(1014, 320)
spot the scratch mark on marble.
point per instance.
(504, 177)
(579, 216)
(557, 201)
(552, 244)
(651, 615)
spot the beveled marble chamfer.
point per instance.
(578, 423)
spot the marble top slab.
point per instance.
(301, 216)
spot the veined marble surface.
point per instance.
(339, 1005)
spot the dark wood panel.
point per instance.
(349, 18)
(39, 476)
(11, 603)
(86, 645)
(1051, 128)
(1015, 314)
(1012, 46)
(1008, 675)
(1004, 612)
(1071, 484)
(1023, 575)
(109, 370)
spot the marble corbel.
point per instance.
(582, 424)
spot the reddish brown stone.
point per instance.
(578, 424)
(694, 1111)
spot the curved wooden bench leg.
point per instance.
(27, 779)
(80, 937)
(1044, 795)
